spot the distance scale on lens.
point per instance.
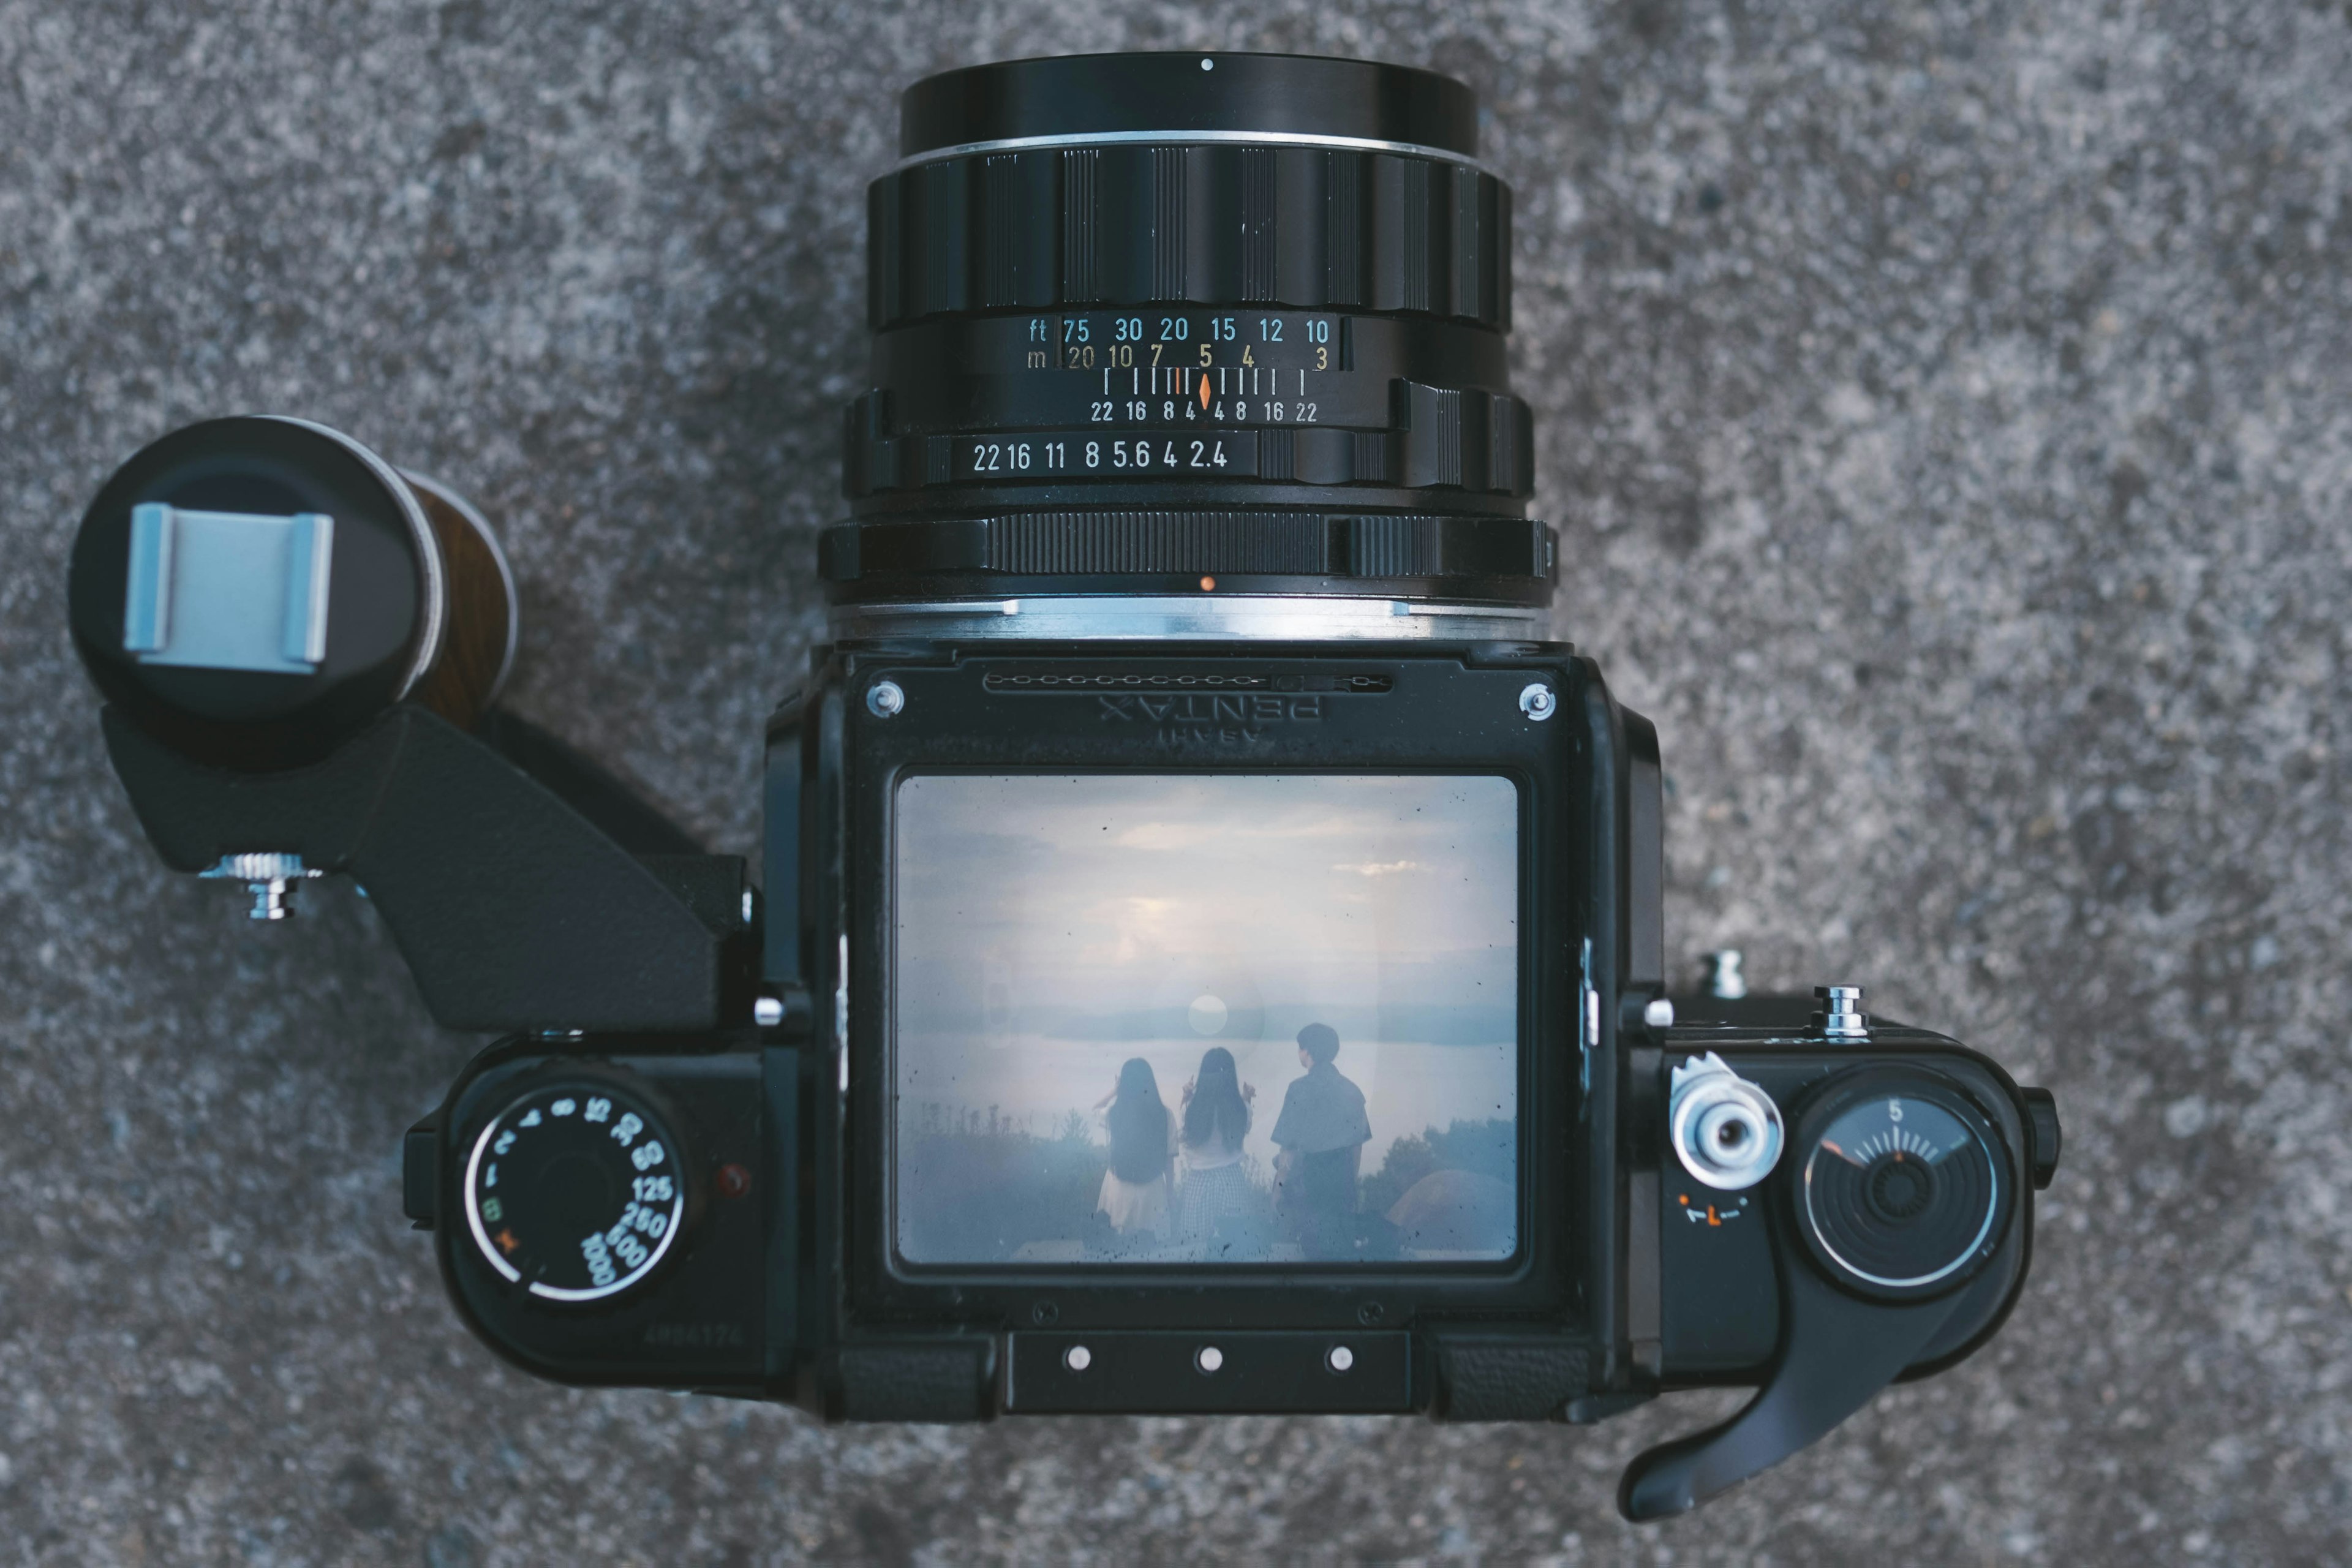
(576, 1191)
(1901, 1193)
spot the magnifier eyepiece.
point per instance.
(254, 591)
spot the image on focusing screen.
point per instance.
(1223, 1019)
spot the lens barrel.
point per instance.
(1189, 325)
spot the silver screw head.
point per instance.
(886, 699)
(269, 875)
(1840, 1016)
(1537, 701)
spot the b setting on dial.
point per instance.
(576, 1191)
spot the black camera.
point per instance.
(1207, 954)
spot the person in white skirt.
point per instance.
(1138, 1189)
(1217, 1193)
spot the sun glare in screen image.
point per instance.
(1245, 1019)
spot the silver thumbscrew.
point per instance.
(1724, 1130)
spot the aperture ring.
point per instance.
(1205, 223)
(1456, 438)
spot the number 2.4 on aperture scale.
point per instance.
(1065, 453)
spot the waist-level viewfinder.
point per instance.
(1207, 952)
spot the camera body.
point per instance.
(1630, 1275)
(1187, 719)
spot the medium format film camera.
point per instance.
(1207, 953)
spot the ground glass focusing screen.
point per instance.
(1206, 1018)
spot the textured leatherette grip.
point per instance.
(917, 1383)
(1212, 224)
(1510, 1381)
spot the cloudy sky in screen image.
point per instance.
(1049, 928)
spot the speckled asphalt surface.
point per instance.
(1948, 411)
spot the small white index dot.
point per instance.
(1078, 1358)
(1210, 1359)
(1341, 1358)
(1208, 65)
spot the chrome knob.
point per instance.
(1840, 1016)
(1724, 1130)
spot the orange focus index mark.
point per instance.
(1204, 394)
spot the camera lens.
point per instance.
(1188, 327)
(1902, 1193)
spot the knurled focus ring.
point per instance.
(1209, 224)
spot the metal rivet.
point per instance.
(887, 699)
(1209, 1359)
(1658, 1013)
(1536, 701)
(768, 1012)
(1341, 1358)
(1078, 1358)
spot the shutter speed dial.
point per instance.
(576, 1191)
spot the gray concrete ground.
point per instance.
(1947, 410)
